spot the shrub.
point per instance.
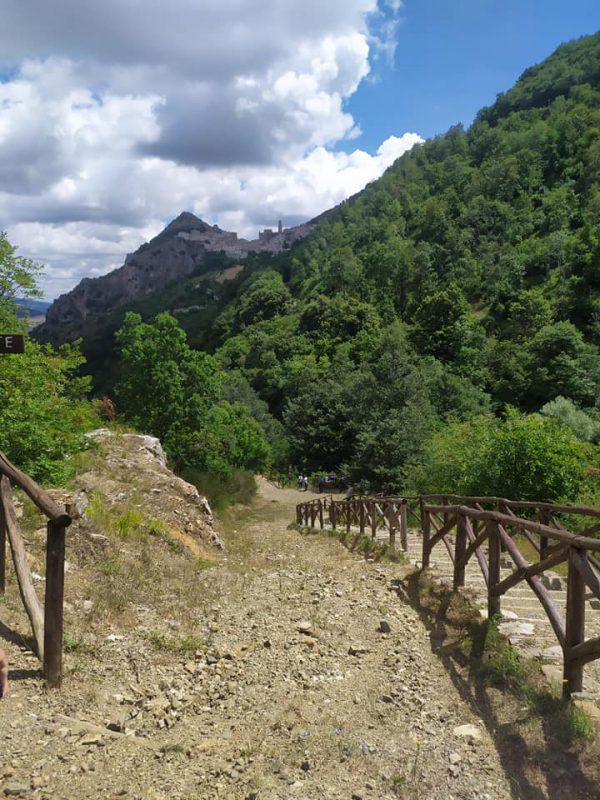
(570, 415)
(525, 457)
(532, 458)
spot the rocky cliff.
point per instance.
(180, 250)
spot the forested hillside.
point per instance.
(464, 281)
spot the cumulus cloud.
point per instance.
(115, 116)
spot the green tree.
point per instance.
(265, 298)
(573, 417)
(441, 324)
(528, 313)
(18, 275)
(236, 389)
(388, 443)
(445, 329)
(164, 385)
(174, 392)
(44, 410)
(561, 363)
(320, 423)
(43, 399)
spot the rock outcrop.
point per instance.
(132, 473)
(178, 252)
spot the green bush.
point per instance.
(44, 411)
(525, 457)
(450, 459)
(573, 417)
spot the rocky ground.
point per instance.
(288, 668)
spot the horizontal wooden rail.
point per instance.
(586, 511)
(35, 492)
(522, 524)
(484, 527)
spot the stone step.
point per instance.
(520, 599)
(526, 596)
(529, 598)
(522, 602)
(446, 571)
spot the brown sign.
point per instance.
(12, 343)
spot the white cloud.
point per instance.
(116, 116)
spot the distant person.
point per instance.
(3, 674)
(303, 482)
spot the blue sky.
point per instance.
(455, 56)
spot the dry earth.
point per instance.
(288, 669)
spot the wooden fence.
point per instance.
(46, 623)
(484, 527)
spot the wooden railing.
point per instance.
(46, 623)
(484, 527)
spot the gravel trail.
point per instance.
(313, 680)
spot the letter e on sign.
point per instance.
(11, 343)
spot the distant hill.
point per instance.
(34, 308)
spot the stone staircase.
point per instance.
(524, 620)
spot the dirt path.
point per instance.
(295, 689)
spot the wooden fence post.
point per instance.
(575, 627)
(53, 616)
(26, 588)
(332, 514)
(349, 509)
(373, 519)
(321, 514)
(299, 515)
(494, 550)
(426, 527)
(404, 525)
(460, 549)
(361, 516)
(2, 552)
(503, 509)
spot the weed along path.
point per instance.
(287, 669)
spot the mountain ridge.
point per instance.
(182, 249)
